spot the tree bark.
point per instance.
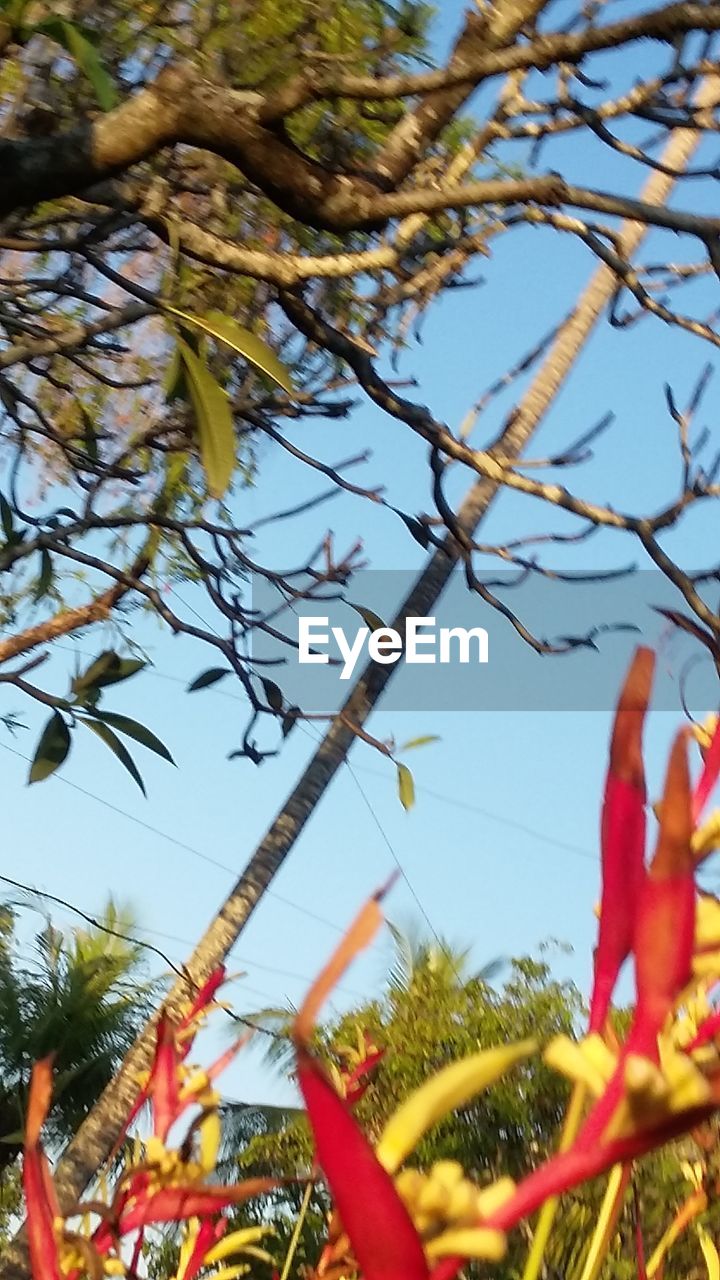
(99, 1132)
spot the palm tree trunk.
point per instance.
(99, 1132)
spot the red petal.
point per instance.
(665, 929)
(205, 995)
(208, 1235)
(44, 1260)
(164, 1085)
(359, 935)
(709, 775)
(377, 1223)
(41, 1084)
(566, 1171)
(622, 835)
(707, 1030)
(174, 1204)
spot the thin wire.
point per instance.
(179, 970)
(179, 844)
(310, 733)
(501, 819)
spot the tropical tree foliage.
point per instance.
(81, 996)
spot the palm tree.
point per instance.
(80, 997)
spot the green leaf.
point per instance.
(80, 47)
(419, 531)
(216, 434)
(52, 749)
(247, 344)
(423, 741)
(206, 678)
(108, 668)
(274, 694)
(89, 435)
(45, 576)
(173, 384)
(7, 519)
(289, 720)
(370, 619)
(111, 740)
(133, 729)
(406, 787)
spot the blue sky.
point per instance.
(500, 849)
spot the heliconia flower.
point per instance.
(174, 1041)
(418, 1226)
(163, 1087)
(622, 836)
(178, 1202)
(384, 1240)
(663, 946)
(200, 1237)
(580, 1163)
(665, 926)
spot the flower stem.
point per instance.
(549, 1209)
(295, 1240)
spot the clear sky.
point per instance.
(500, 849)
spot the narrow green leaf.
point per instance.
(423, 741)
(173, 383)
(52, 749)
(406, 787)
(206, 678)
(45, 576)
(133, 729)
(6, 518)
(89, 435)
(78, 44)
(370, 619)
(111, 740)
(216, 434)
(419, 531)
(274, 694)
(289, 720)
(108, 668)
(247, 344)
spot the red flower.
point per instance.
(622, 836)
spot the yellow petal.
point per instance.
(707, 920)
(643, 1080)
(707, 837)
(703, 733)
(450, 1088)
(468, 1242)
(210, 1134)
(710, 1253)
(594, 1048)
(565, 1056)
(493, 1197)
(448, 1173)
(235, 1242)
(607, 1221)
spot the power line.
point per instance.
(421, 789)
(179, 844)
(180, 970)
